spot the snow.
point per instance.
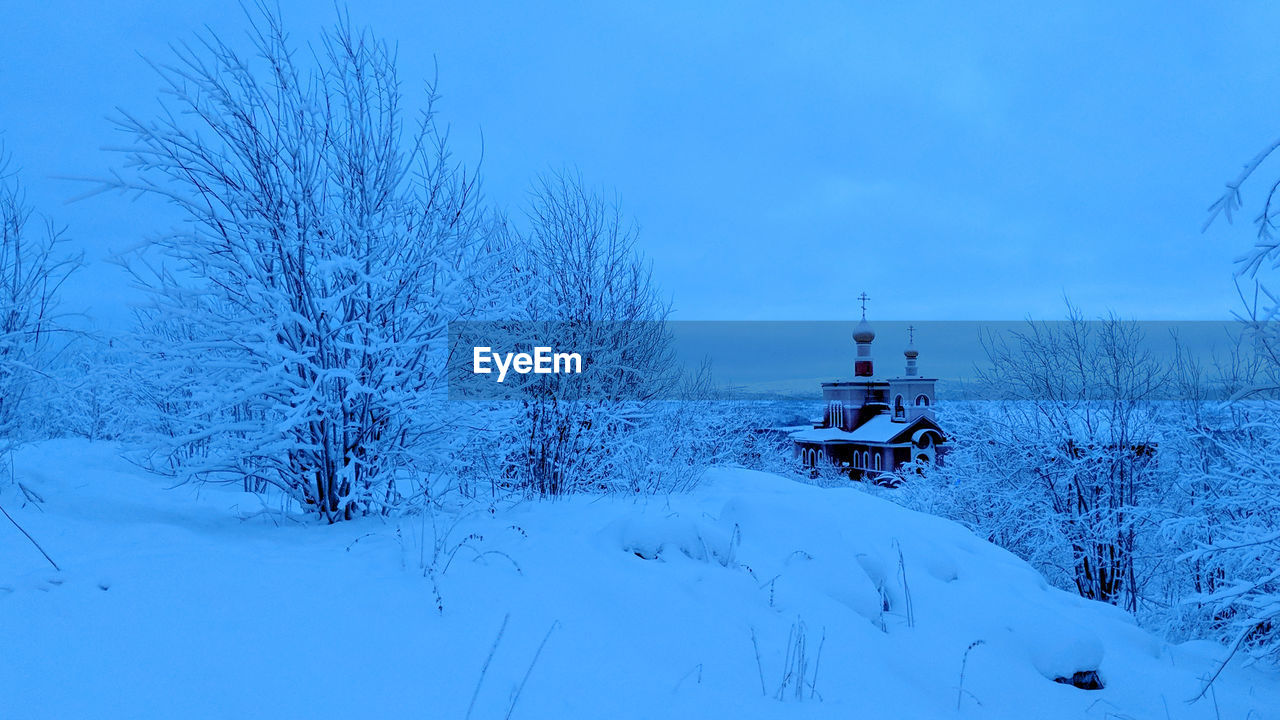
(194, 602)
(877, 429)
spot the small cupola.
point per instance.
(911, 353)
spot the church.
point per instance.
(874, 425)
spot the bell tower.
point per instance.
(863, 335)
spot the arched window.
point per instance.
(866, 459)
(922, 400)
(878, 461)
(898, 410)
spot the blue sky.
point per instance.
(972, 161)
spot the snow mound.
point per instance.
(653, 537)
(752, 597)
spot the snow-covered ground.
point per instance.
(190, 602)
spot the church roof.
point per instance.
(879, 429)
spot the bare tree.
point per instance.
(299, 317)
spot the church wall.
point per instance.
(853, 395)
(909, 389)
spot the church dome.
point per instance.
(863, 333)
(911, 352)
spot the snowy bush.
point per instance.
(704, 429)
(1222, 525)
(297, 324)
(1230, 533)
(97, 388)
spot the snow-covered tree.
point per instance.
(1061, 468)
(296, 334)
(32, 268)
(1237, 533)
(589, 286)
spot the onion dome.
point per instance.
(863, 333)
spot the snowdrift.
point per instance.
(752, 597)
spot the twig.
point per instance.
(695, 669)
(1223, 666)
(963, 665)
(817, 663)
(33, 540)
(515, 698)
(485, 668)
(759, 667)
(906, 589)
(32, 495)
